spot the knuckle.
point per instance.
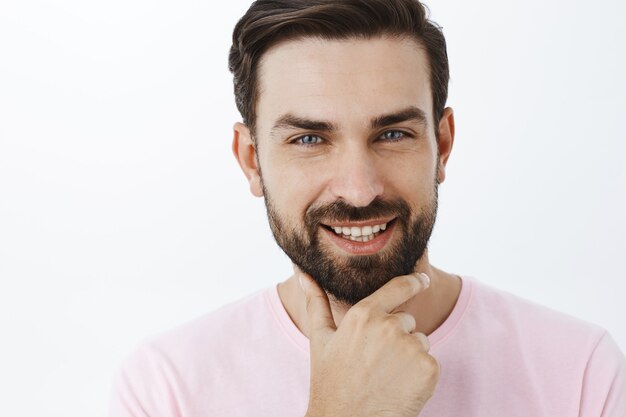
(359, 313)
(424, 341)
(390, 325)
(430, 366)
(410, 282)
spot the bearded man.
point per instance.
(346, 136)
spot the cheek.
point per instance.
(292, 187)
(413, 179)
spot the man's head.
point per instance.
(342, 134)
(270, 22)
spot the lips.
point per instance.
(361, 238)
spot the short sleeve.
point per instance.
(142, 386)
(604, 383)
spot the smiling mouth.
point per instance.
(359, 233)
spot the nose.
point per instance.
(356, 178)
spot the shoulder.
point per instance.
(551, 350)
(213, 334)
(236, 320)
(154, 373)
(539, 326)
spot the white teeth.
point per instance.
(367, 232)
(365, 238)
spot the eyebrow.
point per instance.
(290, 121)
(410, 113)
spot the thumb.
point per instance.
(319, 315)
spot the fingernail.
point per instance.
(424, 278)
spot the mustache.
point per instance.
(340, 211)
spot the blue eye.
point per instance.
(393, 135)
(308, 140)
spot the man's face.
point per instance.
(348, 159)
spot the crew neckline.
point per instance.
(438, 336)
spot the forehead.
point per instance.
(345, 81)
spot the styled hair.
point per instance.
(268, 22)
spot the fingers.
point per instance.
(384, 300)
(423, 339)
(395, 292)
(320, 317)
(407, 321)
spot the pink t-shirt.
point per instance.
(500, 356)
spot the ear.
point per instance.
(445, 141)
(244, 150)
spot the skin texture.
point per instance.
(348, 83)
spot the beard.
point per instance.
(350, 278)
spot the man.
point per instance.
(346, 136)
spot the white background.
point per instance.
(123, 212)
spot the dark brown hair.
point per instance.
(268, 22)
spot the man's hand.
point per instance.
(372, 365)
